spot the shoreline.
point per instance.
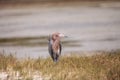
(76, 53)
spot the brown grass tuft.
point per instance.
(105, 66)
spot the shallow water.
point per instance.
(25, 31)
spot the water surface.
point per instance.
(25, 31)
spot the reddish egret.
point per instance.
(54, 45)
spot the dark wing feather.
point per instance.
(50, 47)
(60, 48)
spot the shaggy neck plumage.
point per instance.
(56, 42)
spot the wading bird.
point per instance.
(54, 46)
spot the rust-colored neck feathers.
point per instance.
(56, 42)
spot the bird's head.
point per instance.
(57, 35)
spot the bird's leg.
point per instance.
(57, 57)
(54, 57)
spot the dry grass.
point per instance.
(105, 66)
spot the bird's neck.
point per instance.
(56, 39)
(56, 45)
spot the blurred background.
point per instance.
(91, 25)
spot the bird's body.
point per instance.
(55, 46)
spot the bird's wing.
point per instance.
(60, 48)
(50, 47)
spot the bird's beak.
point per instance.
(62, 35)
